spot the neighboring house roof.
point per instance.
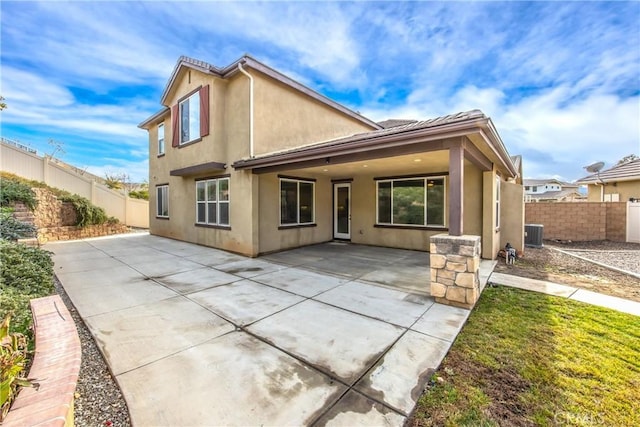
(557, 195)
(391, 123)
(629, 171)
(534, 182)
(419, 131)
(232, 69)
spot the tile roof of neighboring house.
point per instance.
(232, 69)
(473, 119)
(531, 182)
(629, 171)
(391, 123)
(557, 195)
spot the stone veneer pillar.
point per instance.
(455, 263)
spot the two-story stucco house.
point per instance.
(245, 159)
(551, 190)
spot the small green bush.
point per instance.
(88, 213)
(25, 272)
(12, 229)
(16, 190)
(139, 194)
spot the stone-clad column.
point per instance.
(455, 263)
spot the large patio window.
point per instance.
(416, 201)
(297, 202)
(212, 201)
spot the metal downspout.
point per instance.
(242, 70)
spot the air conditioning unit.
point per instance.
(533, 235)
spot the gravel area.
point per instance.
(99, 401)
(560, 266)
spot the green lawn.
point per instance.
(525, 358)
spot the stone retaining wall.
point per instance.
(52, 234)
(455, 266)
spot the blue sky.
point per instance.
(561, 80)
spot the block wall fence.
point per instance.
(579, 221)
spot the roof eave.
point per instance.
(154, 118)
(329, 149)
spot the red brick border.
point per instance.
(56, 366)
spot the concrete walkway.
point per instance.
(576, 294)
(197, 336)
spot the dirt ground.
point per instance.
(554, 266)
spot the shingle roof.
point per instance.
(629, 171)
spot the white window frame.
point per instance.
(498, 202)
(161, 139)
(193, 101)
(416, 178)
(206, 202)
(313, 200)
(162, 194)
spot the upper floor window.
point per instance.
(297, 202)
(162, 201)
(212, 201)
(411, 201)
(161, 138)
(190, 118)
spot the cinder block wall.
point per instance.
(579, 221)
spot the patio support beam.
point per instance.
(456, 189)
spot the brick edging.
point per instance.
(56, 365)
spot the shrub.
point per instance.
(140, 194)
(16, 190)
(13, 357)
(25, 272)
(12, 229)
(88, 213)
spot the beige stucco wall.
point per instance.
(285, 118)
(490, 234)
(271, 237)
(512, 215)
(625, 190)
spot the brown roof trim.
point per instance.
(246, 60)
(398, 139)
(198, 169)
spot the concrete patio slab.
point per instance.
(90, 264)
(442, 321)
(96, 277)
(197, 280)
(250, 267)
(527, 284)
(215, 257)
(156, 269)
(233, 380)
(340, 343)
(301, 282)
(401, 276)
(354, 409)
(94, 300)
(392, 306)
(245, 302)
(276, 345)
(399, 378)
(149, 332)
